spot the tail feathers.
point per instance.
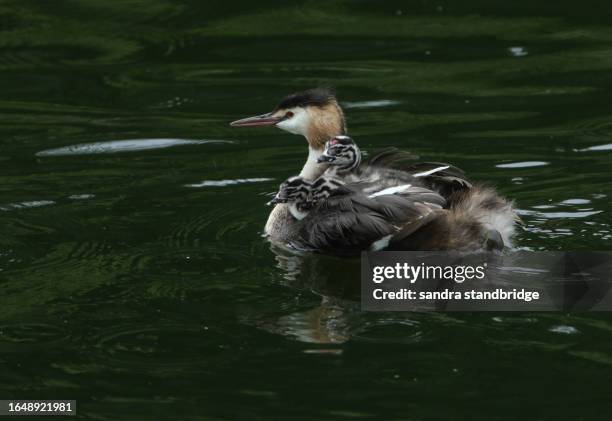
(491, 210)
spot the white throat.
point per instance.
(312, 170)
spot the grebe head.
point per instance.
(341, 152)
(314, 114)
(292, 190)
(295, 193)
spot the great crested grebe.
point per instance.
(473, 212)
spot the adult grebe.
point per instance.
(316, 115)
(332, 216)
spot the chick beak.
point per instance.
(257, 121)
(277, 199)
(326, 158)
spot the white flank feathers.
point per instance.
(391, 190)
(381, 244)
(430, 172)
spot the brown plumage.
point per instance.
(326, 119)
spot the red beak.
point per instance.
(255, 121)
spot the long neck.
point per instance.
(312, 169)
(326, 122)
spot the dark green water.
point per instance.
(130, 285)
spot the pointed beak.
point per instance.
(256, 121)
(326, 158)
(276, 200)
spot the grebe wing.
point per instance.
(389, 157)
(348, 222)
(440, 176)
(440, 172)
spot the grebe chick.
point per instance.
(301, 195)
(343, 157)
(342, 154)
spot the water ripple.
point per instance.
(607, 147)
(26, 205)
(223, 183)
(128, 145)
(582, 214)
(525, 164)
(575, 202)
(371, 104)
(564, 329)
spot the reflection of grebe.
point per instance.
(328, 321)
(473, 217)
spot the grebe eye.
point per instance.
(289, 114)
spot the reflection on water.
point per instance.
(564, 329)
(331, 320)
(144, 299)
(116, 146)
(607, 147)
(525, 164)
(324, 324)
(223, 183)
(81, 196)
(518, 51)
(552, 215)
(25, 205)
(575, 202)
(370, 104)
